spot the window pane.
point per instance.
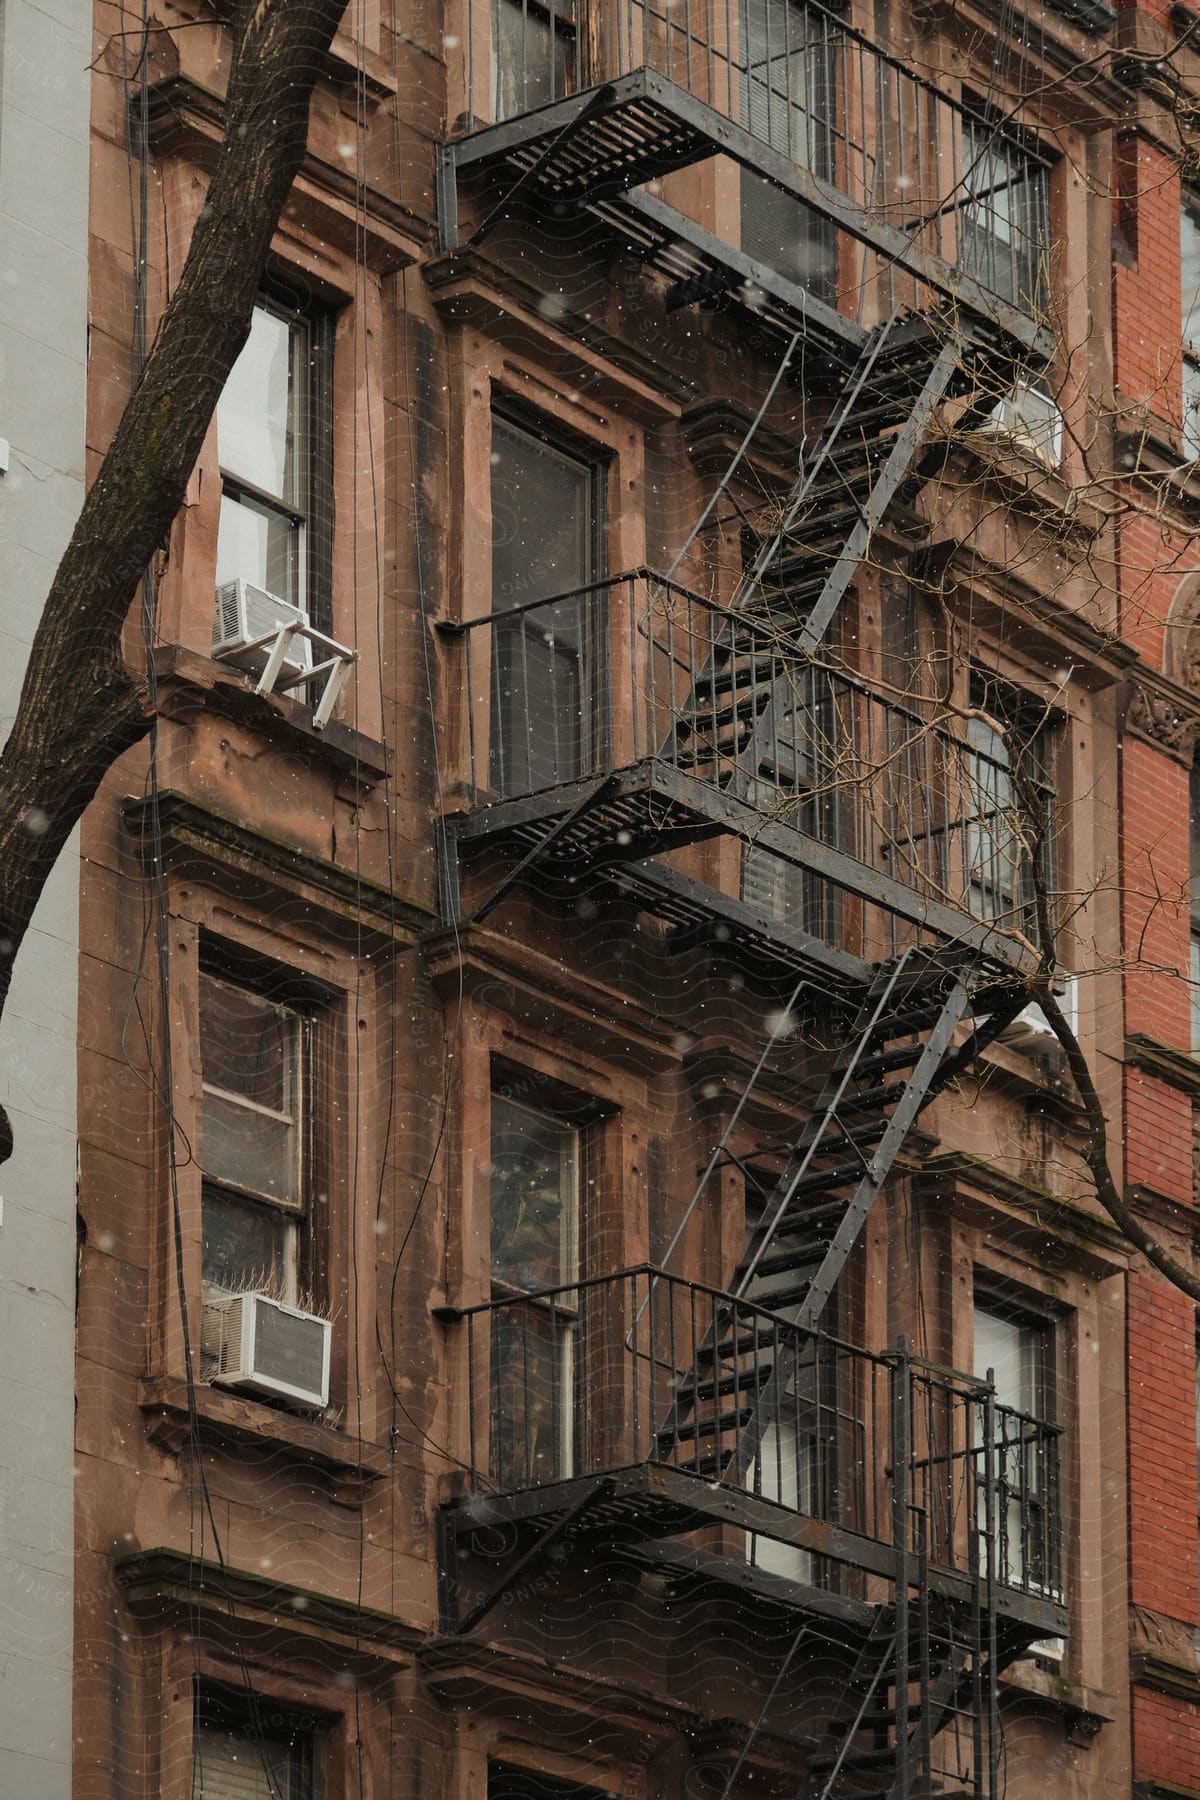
(542, 519)
(535, 58)
(533, 1199)
(1189, 245)
(247, 1044)
(249, 1051)
(247, 1245)
(259, 545)
(544, 506)
(1004, 218)
(257, 422)
(249, 1149)
(533, 1400)
(236, 1765)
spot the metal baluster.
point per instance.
(472, 1447)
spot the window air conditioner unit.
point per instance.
(1030, 1033)
(247, 622)
(1031, 421)
(257, 1344)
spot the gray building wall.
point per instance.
(44, 109)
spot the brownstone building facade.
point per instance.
(589, 1282)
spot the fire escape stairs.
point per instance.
(743, 721)
(865, 458)
(896, 1057)
(908, 1681)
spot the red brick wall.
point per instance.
(1166, 1739)
(1162, 1454)
(1156, 925)
(1146, 299)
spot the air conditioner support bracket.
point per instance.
(333, 671)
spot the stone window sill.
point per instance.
(348, 1465)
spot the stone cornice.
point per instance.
(187, 118)
(188, 681)
(1173, 1066)
(470, 288)
(189, 829)
(500, 1681)
(1095, 1240)
(1161, 713)
(1151, 459)
(349, 1465)
(163, 1583)
(554, 1002)
(1099, 658)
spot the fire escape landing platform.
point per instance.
(640, 1407)
(597, 149)
(604, 828)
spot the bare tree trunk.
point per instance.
(81, 706)
(1095, 1152)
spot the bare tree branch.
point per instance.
(81, 705)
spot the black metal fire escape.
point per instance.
(920, 1667)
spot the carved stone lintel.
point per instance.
(1168, 719)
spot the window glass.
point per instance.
(266, 451)
(1017, 1351)
(546, 518)
(257, 424)
(1000, 828)
(534, 1198)
(247, 1247)
(249, 1055)
(1189, 247)
(535, 60)
(258, 545)
(543, 518)
(233, 1763)
(1004, 236)
(788, 61)
(252, 1141)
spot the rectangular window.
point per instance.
(788, 85)
(1017, 1350)
(249, 1752)
(811, 754)
(535, 1223)
(1009, 800)
(547, 543)
(1004, 216)
(1189, 249)
(274, 447)
(253, 1141)
(536, 58)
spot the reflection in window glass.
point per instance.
(545, 524)
(1004, 220)
(232, 1763)
(533, 1199)
(1189, 247)
(789, 62)
(251, 1140)
(246, 1246)
(257, 415)
(536, 53)
(262, 444)
(249, 1061)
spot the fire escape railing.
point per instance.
(882, 152)
(637, 670)
(615, 1372)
